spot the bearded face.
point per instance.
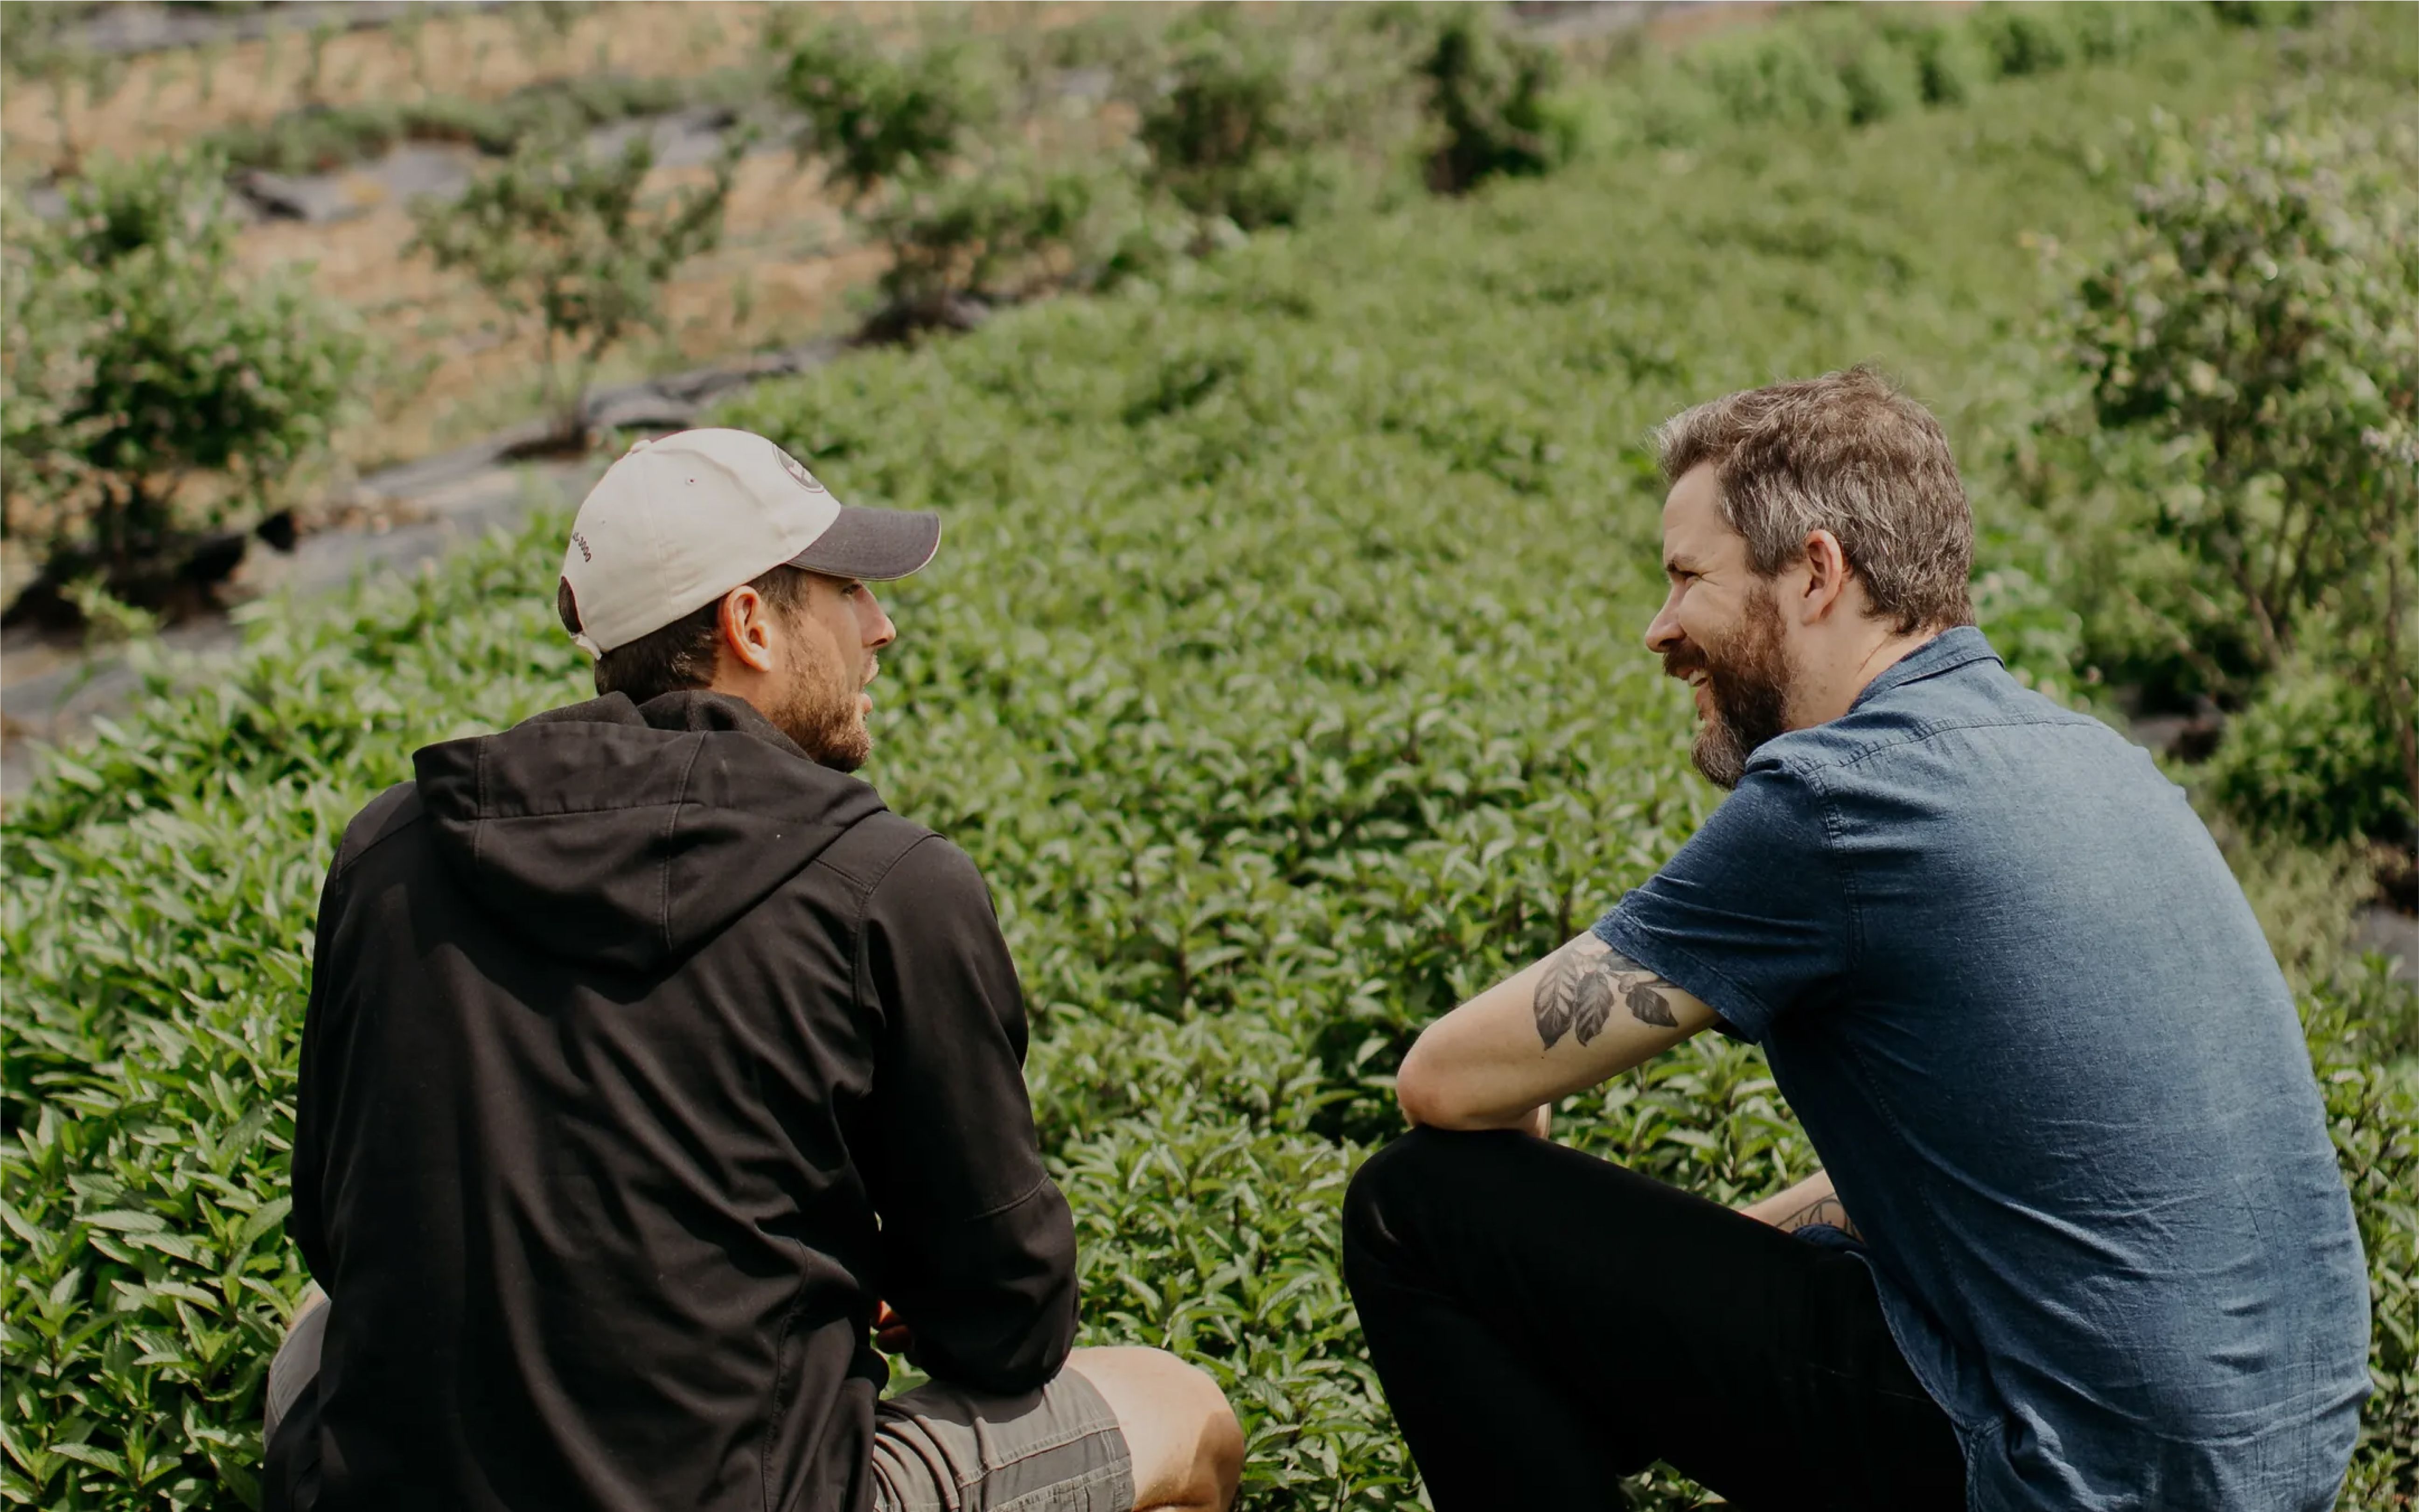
(1743, 681)
(824, 706)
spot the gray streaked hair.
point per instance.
(1845, 453)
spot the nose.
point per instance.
(881, 632)
(1663, 630)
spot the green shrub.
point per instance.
(1228, 131)
(874, 115)
(2110, 31)
(568, 239)
(1879, 80)
(1779, 75)
(1488, 95)
(2266, 12)
(2254, 343)
(2021, 39)
(2315, 757)
(2373, 1113)
(971, 218)
(1950, 63)
(139, 358)
(963, 243)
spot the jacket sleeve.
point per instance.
(315, 1081)
(978, 1246)
(305, 1219)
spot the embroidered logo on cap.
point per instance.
(798, 470)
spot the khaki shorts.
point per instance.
(942, 1449)
(935, 1449)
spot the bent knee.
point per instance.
(1155, 1380)
(1411, 1173)
(1186, 1444)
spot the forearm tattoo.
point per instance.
(1583, 981)
(1825, 1210)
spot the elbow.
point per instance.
(1008, 1349)
(1427, 1093)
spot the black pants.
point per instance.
(1546, 1323)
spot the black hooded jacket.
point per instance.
(643, 1056)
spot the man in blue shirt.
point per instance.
(2080, 1243)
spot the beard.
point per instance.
(820, 711)
(1746, 687)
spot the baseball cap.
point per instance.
(681, 520)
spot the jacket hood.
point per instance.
(626, 834)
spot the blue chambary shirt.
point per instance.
(2022, 1010)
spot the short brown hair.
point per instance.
(1849, 453)
(681, 654)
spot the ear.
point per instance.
(1826, 577)
(746, 627)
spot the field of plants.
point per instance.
(1282, 671)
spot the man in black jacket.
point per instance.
(652, 1065)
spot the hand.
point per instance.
(1809, 1202)
(890, 1332)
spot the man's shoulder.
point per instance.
(392, 813)
(884, 854)
(1979, 701)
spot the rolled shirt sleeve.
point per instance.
(1754, 915)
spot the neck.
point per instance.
(1823, 690)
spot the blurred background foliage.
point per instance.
(1282, 671)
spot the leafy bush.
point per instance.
(2257, 329)
(569, 239)
(912, 141)
(1949, 64)
(1280, 674)
(2317, 758)
(2373, 1113)
(140, 359)
(874, 115)
(966, 242)
(1228, 131)
(2022, 39)
(1489, 94)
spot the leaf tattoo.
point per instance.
(1580, 987)
(1647, 1004)
(1573, 996)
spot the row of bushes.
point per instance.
(954, 162)
(322, 139)
(985, 189)
(1241, 125)
(567, 242)
(1838, 70)
(2252, 346)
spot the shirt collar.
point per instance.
(1945, 651)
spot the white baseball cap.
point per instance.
(682, 520)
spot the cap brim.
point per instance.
(872, 542)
